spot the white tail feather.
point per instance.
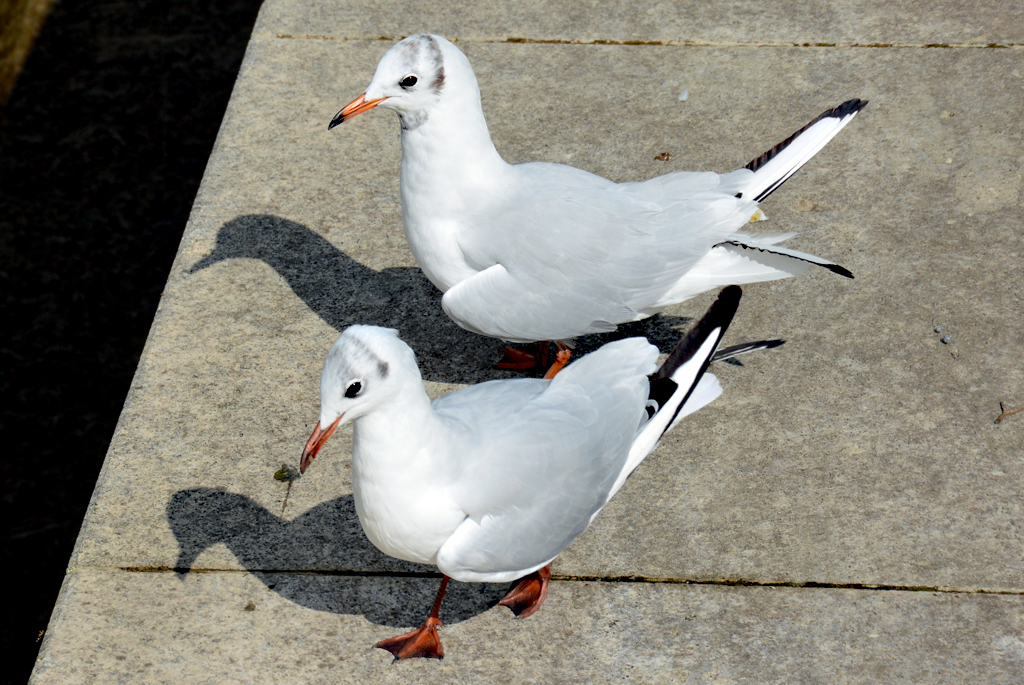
(707, 391)
(729, 265)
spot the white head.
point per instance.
(366, 368)
(412, 78)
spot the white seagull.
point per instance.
(492, 482)
(538, 251)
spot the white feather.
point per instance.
(544, 251)
(492, 482)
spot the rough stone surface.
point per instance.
(817, 22)
(862, 436)
(861, 453)
(286, 628)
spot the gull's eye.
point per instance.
(408, 82)
(353, 389)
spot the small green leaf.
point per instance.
(286, 473)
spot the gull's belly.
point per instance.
(433, 242)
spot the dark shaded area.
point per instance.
(102, 147)
(341, 291)
(325, 538)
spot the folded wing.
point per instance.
(531, 480)
(577, 254)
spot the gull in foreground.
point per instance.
(492, 482)
(540, 252)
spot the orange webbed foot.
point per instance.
(422, 642)
(526, 597)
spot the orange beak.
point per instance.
(315, 442)
(357, 106)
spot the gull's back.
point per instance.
(538, 459)
(569, 253)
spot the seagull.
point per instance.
(547, 252)
(490, 483)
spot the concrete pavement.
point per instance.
(860, 458)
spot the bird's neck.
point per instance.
(392, 434)
(451, 149)
(401, 467)
(452, 178)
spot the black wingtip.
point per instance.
(836, 269)
(846, 109)
(724, 354)
(728, 301)
(719, 315)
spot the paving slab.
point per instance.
(822, 23)
(861, 452)
(288, 628)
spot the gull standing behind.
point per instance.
(538, 251)
(492, 482)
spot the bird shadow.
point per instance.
(299, 559)
(342, 292)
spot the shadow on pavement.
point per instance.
(298, 559)
(341, 291)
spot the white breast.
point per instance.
(433, 241)
(400, 498)
(452, 179)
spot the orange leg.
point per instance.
(523, 360)
(424, 641)
(517, 359)
(561, 359)
(527, 596)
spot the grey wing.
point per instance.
(533, 482)
(574, 255)
(520, 308)
(489, 402)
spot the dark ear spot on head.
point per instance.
(383, 366)
(439, 81)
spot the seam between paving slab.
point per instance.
(728, 582)
(677, 43)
